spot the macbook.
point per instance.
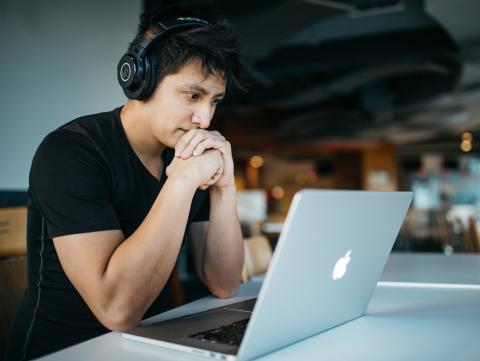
(328, 259)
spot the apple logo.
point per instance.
(341, 266)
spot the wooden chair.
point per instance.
(13, 281)
(473, 235)
(469, 235)
(13, 231)
(258, 254)
(456, 235)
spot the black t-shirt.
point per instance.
(84, 177)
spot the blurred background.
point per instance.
(358, 94)
(377, 95)
(361, 94)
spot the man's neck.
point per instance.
(139, 135)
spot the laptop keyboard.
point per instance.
(229, 334)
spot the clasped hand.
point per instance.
(195, 145)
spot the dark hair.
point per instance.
(215, 45)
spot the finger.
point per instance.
(217, 134)
(216, 176)
(188, 150)
(200, 148)
(224, 174)
(208, 144)
(215, 179)
(212, 142)
(228, 168)
(184, 141)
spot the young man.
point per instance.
(112, 195)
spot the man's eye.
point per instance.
(217, 101)
(193, 96)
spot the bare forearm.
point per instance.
(223, 260)
(140, 266)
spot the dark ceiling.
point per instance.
(399, 71)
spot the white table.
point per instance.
(403, 322)
(433, 268)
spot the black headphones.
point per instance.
(135, 72)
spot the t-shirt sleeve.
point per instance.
(202, 198)
(71, 185)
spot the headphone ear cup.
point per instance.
(150, 79)
(131, 74)
(127, 72)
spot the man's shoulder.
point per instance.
(82, 136)
(92, 124)
(87, 129)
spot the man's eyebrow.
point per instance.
(202, 90)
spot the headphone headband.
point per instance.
(134, 71)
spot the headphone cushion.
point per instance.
(148, 82)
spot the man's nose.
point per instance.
(202, 117)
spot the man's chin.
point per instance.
(177, 135)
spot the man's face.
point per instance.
(182, 101)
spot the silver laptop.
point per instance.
(329, 257)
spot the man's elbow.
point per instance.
(121, 325)
(225, 292)
(119, 321)
(221, 286)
